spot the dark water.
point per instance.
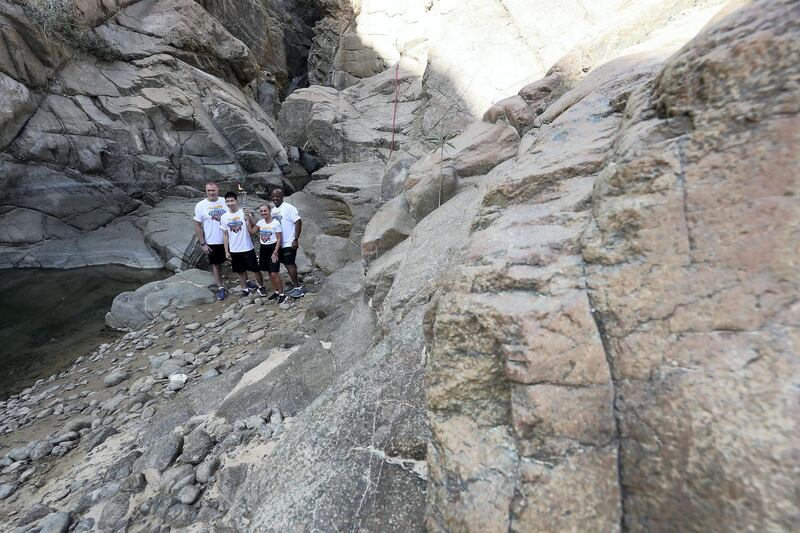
(50, 317)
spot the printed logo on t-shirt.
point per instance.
(277, 216)
(215, 212)
(235, 224)
(265, 234)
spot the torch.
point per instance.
(242, 195)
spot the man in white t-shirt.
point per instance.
(291, 226)
(269, 235)
(207, 214)
(236, 229)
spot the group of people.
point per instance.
(224, 231)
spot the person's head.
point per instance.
(212, 191)
(266, 212)
(277, 197)
(232, 201)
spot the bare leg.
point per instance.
(259, 278)
(217, 271)
(275, 279)
(293, 274)
(242, 280)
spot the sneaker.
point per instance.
(281, 298)
(221, 293)
(250, 284)
(245, 292)
(262, 291)
(273, 297)
(297, 292)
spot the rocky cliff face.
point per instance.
(573, 310)
(169, 100)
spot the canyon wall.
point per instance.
(556, 254)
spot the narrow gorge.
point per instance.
(551, 252)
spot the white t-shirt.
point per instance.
(236, 225)
(287, 215)
(209, 214)
(268, 231)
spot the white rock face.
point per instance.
(471, 66)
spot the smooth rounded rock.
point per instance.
(115, 377)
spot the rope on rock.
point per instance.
(394, 113)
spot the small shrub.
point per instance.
(57, 22)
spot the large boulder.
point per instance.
(355, 124)
(118, 243)
(134, 310)
(16, 105)
(151, 27)
(522, 110)
(341, 286)
(391, 225)
(168, 229)
(294, 379)
(374, 402)
(357, 185)
(381, 274)
(330, 253)
(335, 209)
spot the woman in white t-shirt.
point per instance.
(269, 235)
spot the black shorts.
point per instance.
(287, 255)
(244, 261)
(265, 259)
(217, 255)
